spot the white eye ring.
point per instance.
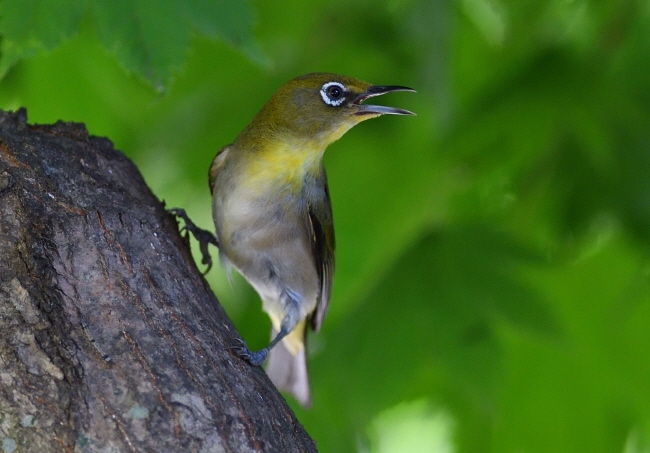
(327, 99)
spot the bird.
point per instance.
(273, 216)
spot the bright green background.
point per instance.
(492, 288)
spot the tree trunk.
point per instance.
(110, 339)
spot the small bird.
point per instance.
(272, 212)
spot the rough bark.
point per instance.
(110, 339)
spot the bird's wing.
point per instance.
(322, 244)
(216, 166)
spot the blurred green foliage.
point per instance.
(492, 285)
(148, 37)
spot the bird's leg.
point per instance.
(203, 237)
(258, 357)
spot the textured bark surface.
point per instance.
(110, 339)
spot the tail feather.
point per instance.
(288, 372)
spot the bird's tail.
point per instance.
(287, 365)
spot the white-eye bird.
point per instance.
(272, 212)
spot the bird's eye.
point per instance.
(333, 93)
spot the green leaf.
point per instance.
(31, 26)
(152, 38)
(149, 37)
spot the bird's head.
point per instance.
(319, 108)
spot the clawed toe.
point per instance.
(255, 358)
(203, 237)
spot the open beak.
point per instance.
(367, 109)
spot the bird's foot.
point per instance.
(203, 237)
(255, 358)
